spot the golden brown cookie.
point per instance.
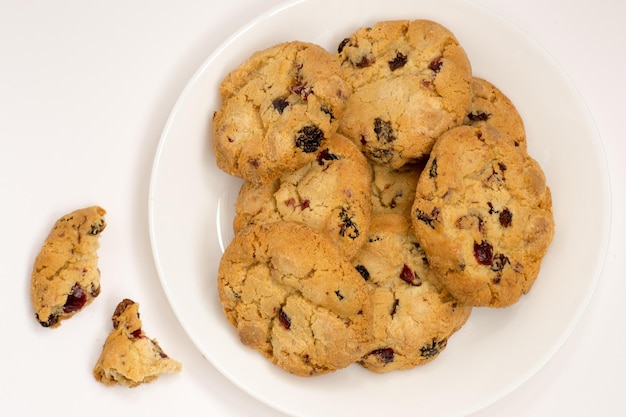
(292, 296)
(491, 107)
(411, 83)
(330, 194)
(483, 215)
(414, 317)
(129, 357)
(278, 108)
(65, 276)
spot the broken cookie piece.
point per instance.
(65, 276)
(129, 357)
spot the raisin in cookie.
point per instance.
(413, 316)
(129, 357)
(278, 108)
(293, 297)
(483, 215)
(411, 83)
(330, 194)
(393, 190)
(65, 276)
(491, 107)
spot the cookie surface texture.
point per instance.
(129, 357)
(483, 215)
(411, 83)
(293, 297)
(65, 276)
(492, 108)
(278, 108)
(413, 316)
(330, 194)
(393, 190)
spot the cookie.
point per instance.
(278, 109)
(330, 194)
(491, 107)
(413, 316)
(483, 215)
(411, 83)
(129, 357)
(65, 277)
(292, 296)
(393, 190)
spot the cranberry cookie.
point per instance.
(330, 194)
(411, 83)
(292, 296)
(65, 276)
(128, 356)
(278, 108)
(413, 316)
(491, 107)
(483, 215)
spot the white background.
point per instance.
(85, 90)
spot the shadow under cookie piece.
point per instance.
(65, 277)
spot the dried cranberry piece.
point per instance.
(302, 89)
(506, 217)
(479, 116)
(328, 111)
(96, 228)
(309, 138)
(342, 45)
(384, 130)
(365, 61)
(408, 275)
(363, 271)
(284, 319)
(483, 252)
(76, 299)
(137, 334)
(119, 310)
(347, 227)
(325, 155)
(280, 104)
(398, 61)
(50, 322)
(432, 171)
(394, 307)
(433, 349)
(436, 64)
(385, 355)
(427, 218)
(499, 262)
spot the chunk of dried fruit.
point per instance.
(309, 138)
(483, 252)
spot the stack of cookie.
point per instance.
(387, 192)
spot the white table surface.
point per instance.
(85, 90)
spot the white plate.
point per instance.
(191, 205)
